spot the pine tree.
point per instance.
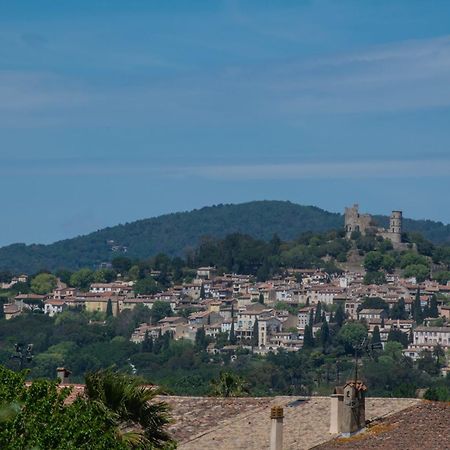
(398, 310)
(396, 335)
(318, 317)
(109, 310)
(376, 338)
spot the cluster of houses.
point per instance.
(277, 310)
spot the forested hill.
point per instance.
(173, 234)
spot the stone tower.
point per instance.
(395, 226)
(354, 221)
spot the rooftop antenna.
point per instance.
(23, 353)
(365, 347)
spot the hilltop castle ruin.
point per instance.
(354, 221)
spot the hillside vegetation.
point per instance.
(174, 234)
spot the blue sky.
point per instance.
(111, 111)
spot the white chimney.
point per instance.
(276, 432)
(63, 375)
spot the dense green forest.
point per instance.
(175, 234)
(185, 368)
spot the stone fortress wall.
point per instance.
(354, 221)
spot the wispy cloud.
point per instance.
(36, 91)
(403, 76)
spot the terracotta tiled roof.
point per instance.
(423, 426)
(244, 424)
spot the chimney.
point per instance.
(337, 403)
(348, 409)
(276, 432)
(354, 408)
(63, 375)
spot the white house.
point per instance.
(54, 306)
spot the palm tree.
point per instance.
(140, 419)
(229, 385)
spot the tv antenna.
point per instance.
(365, 347)
(23, 353)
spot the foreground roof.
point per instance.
(423, 426)
(203, 423)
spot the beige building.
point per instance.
(431, 336)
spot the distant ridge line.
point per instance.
(174, 233)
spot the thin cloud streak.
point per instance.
(328, 170)
(244, 172)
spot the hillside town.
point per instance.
(374, 307)
(225, 225)
(265, 316)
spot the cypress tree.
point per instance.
(426, 311)
(109, 310)
(147, 344)
(2, 310)
(324, 334)
(255, 334)
(433, 307)
(200, 338)
(157, 345)
(339, 317)
(411, 337)
(318, 317)
(308, 339)
(261, 298)
(417, 309)
(166, 340)
(376, 338)
(232, 334)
